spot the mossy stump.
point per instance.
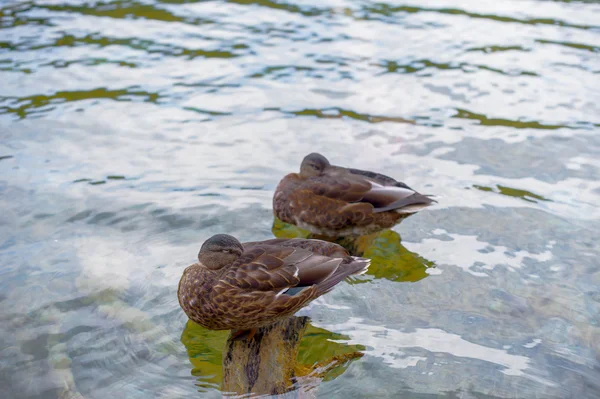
(264, 364)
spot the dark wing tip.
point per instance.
(356, 266)
(429, 198)
(415, 199)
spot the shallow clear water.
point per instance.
(133, 130)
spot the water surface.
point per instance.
(131, 131)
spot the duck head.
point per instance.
(219, 250)
(313, 164)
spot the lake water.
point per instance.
(131, 131)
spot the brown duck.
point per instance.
(334, 201)
(245, 286)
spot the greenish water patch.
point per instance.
(126, 10)
(578, 46)
(150, 46)
(387, 10)
(487, 121)
(22, 107)
(427, 65)
(336, 113)
(496, 49)
(513, 192)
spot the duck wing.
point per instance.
(388, 198)
(356, 186)
(378, 178)
(319, 247)
(288, 268)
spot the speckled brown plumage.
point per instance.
(335, 201)
(245, 286)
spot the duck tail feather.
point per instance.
(356, 266)
(415, 199)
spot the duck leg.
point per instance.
(237, 334)
(251, 333)
(240, 334)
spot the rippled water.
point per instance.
(133, 130)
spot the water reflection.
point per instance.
(389, 258)
(289, 355)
